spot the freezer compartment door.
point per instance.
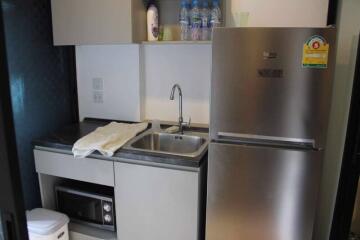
(260, 87)
(261, 193)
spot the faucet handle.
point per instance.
(188, 123)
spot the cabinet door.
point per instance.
(156, 203)
(80, 22)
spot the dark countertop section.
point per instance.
(64, 139)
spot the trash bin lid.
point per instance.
(44, 222)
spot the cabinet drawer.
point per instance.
(82, 169)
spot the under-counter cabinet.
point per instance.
(153, 201)
(156, 202)
(85, 22)
(57, 167)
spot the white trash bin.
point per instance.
(46, 224)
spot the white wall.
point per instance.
(132, 84)
(118, 68)
(278, 13)
(349, 28)
(186, 64)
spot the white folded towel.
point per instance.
(107, 139)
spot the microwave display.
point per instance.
(85, 207)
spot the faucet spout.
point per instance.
(176, 86)
(181, 120)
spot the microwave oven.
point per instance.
(91, 207)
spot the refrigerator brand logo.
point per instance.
(269, 55)
(270, 73)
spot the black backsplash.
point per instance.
(42, 82)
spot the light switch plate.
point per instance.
(98, 84)
(98, 97)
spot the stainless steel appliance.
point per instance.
(270, 98)
(93, 207)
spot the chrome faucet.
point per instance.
(181, 120)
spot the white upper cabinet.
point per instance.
(89, 22)
(275, 13)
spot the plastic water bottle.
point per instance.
(205, 21)
(195, 21)
(184, 20)
(215, 18)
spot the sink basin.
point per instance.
(189, 144)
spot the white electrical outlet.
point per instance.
(98, 97)
(98, 84)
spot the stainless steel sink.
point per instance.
(189, 144)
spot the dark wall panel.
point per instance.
(41, 78)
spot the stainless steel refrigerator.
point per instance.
(270, 99)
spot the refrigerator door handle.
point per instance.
(268, 140)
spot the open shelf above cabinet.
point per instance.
(169, 19)
(176, 42)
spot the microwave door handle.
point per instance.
(268, 140)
